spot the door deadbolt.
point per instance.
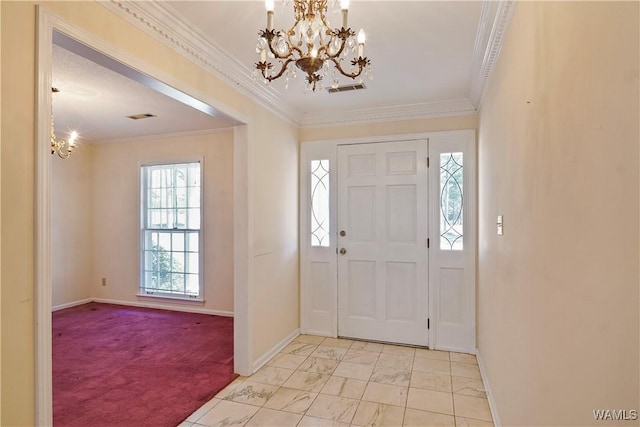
(343, 233)
(343, 251)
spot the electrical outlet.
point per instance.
(104, 281)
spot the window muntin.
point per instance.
(451, 201)
(171, 225)
(319, 232)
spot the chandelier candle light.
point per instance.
(311, 45)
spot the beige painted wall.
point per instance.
(17, 157)
(386, 128)
(275, 224)
(71, 226)
(558, 157)
(116, 213)
(272, 322)
(0, 215)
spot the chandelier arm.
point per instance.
(264, 66)
(361, 62)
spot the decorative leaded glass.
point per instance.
(320, 203)
(451, 201)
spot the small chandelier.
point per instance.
(64, 147)
(311, 45)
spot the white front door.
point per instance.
(382, 242)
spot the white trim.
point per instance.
(455, 107)
(452, 348)
(43, 262)
(319, 333)
(143, 204)
(494, 22)
(71, 304)
(170, 307)
(162, 136)
(177, 299)
(333, 143)
(262, 360)
(487, 387)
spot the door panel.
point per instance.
(382, 208)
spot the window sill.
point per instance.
(175, 299)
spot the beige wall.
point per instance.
(397, 127)
(558, 157)
(17, 157)
(272, 322)
(71, 226)
(0, 215)
(116, 213)
(275, 224)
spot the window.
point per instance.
(320, 203)
(171, 230)
(451, 201)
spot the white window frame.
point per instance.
(143, 209)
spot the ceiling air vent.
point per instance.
(141, 116)
(346, 88)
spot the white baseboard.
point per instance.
(274, 350)
(173, 307)
(454, 349)
(71, 304)
(487, 388)
(318, 333)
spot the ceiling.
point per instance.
(95, 100)
(420, 50)
(429, 59)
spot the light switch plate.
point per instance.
(499, 224)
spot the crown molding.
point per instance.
(495, 18)
(161, 22)
(162, 136)
(456, 107)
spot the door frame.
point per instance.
(318, 300)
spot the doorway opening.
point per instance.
(54, 31)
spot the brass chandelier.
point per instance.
(62, 147)
(311, 45)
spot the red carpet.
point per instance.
(126, 366)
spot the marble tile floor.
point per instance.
(317, 381)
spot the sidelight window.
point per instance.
(451, 201)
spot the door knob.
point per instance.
(343, 251)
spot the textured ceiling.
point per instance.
(95, 101)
